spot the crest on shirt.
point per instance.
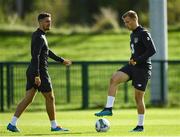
(148, 38)
(135, 40)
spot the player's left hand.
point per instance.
(67, 62)
(37, 81)
(132, 62)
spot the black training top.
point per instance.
(142, 47)
(40, 53)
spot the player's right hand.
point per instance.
(132, 62)
(67, 62)
(37, 81)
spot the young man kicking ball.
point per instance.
(138, 69)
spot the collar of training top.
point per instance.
(137, 29)
(41, 31)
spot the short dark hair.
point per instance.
(43, 15)
(132, 14)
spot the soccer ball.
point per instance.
(102, 125)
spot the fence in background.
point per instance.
(82, 85)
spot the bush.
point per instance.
(107, 19)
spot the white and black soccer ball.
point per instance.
(102, 125)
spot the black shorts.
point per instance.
(139, 76)
(46, 84)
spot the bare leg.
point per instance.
(25, 102)
(139, 97)
(51, 111)
(117, 78)
(20, 109)
(50, 104)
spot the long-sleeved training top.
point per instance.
(142, 47)
(40, 53)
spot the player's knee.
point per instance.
(50, 98)
(113, 80)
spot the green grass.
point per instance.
(159, 122)
(75, 47)
(16, 47)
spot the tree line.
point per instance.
(82, 12)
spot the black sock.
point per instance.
(109, 108)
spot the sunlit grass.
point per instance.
(80, 46)
(159, 122)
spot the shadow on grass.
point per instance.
(61, 133)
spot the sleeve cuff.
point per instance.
(61, 59)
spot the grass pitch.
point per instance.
(159, 122)
(79, 47)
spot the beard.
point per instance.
(46, 28)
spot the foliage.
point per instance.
(78, 11)
(173, 11)
(107, 19)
